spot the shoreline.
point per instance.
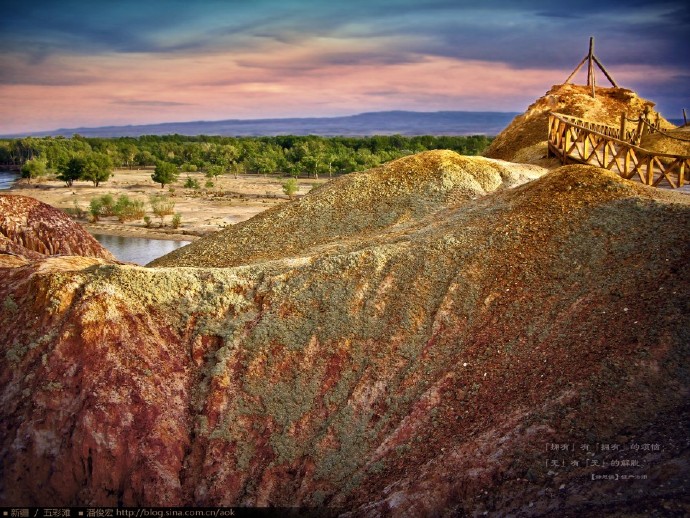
(141, 232)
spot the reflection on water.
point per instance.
(138, 249)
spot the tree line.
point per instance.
(93, 158)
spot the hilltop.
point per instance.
(395, 195)
(525, 138)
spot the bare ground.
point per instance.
(231, 200)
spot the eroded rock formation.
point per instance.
(31, 229)
(418, 370)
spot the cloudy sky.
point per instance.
(71, 63)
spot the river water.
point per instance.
(7, 178)
(138, 250)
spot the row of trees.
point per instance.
(81, 158)
(92, 167)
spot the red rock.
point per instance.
(419, 371)
(32, 229)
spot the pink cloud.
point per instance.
(288, 81)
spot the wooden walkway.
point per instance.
(577, 140)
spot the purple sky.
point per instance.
(92, 63)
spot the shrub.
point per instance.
(191, 183)
(77, 210)
(101, 206)
(290, 187)
(95, 206)
(209, 184)
(107, 205)
(147, 221)
(161, 205)
(176, 220)
(128, 210)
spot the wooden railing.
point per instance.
(578, 140)
(609, 131)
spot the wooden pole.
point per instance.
(577, 69)
(622, 131)
(640, 129)
(685, 119)
(590, 65)
(603, 69)
(641, 125)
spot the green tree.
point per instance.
(214, 170)
(144, 158)
(237, 168)
(263, 164)
(71, 170)
(128, 153)
(34, 168)
(311, 164)
(98, 168)
(165, 173)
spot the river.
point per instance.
(138, 250)
(7, 178)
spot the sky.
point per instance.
(86, 63)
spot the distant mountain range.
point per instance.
(364, 124)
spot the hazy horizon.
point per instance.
(73, 64)
(359, 124)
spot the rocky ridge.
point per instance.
(392, 196)
(421, 367)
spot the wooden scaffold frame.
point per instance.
(591, 60)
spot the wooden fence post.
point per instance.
(621, 135)
(640, 129)
(566, 144)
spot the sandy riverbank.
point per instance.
(230, 200)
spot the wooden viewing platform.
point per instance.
(577, 140)
(614, 148)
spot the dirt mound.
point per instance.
(673, 142)
(525, 139)
(522, 353)
(398, 193)
(31, 229)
